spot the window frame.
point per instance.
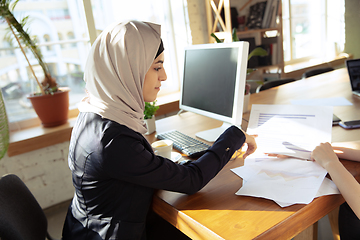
(289, 41)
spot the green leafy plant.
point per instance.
(150, 109)
(17, 28)
(4, 129)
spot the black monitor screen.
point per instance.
(209, 79)
(353, 67)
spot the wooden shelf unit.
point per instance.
(223, 30)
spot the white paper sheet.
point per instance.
(327, 187)
(290, 130)
(293, 131)
(278, 180)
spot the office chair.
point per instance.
(273, 83)
(317, 71)
(21, 216)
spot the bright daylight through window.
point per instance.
(60, 29)
(313, 30)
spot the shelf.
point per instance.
(252, 31)
(221, 26)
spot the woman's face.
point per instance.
(153, 78)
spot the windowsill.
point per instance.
(33, 138)
(30, 139)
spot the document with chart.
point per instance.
(293, 132)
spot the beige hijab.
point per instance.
(115, 71)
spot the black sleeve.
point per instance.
(126, 158)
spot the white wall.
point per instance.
(44, 171)
(352, 30)
(198, 21)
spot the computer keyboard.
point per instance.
(184, 143)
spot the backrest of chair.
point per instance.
(274, 83)
(21, 217)
(317, 71)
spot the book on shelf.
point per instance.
(256, 15)
(270, 14)
(275, 13)
(267, 14)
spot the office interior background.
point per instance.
(63, 29)
(313, 32)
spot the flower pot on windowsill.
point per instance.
(150, 125)
(52, 109)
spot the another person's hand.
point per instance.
(324, 155)
(251, 144)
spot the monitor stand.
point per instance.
(212, 134)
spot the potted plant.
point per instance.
(51, 103)
(149, 116)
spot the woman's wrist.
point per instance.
(333, 165)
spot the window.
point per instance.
(71, 36)
(47, 23)
(7, 44)
(60, 37)
(61, 30)
(313, 29)
(47, 39)
(174, 30)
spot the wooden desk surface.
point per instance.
(216, 212)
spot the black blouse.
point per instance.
(115, 173)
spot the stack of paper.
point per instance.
(293, 131)
(287, 181)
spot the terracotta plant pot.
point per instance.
(52, 109)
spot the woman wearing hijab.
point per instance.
(114, 169)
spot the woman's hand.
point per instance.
(324, 155)
(251, 144)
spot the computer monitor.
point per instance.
(353, 67)
(213, 83)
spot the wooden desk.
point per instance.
(216, 212)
